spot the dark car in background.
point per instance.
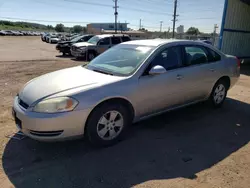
(64, 46)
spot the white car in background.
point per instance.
(54, 39)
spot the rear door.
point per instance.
(103, 45)
(200, 72)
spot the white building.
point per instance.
(180, 29)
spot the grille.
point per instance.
(23, 104)
(46, 133)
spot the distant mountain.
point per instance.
(24, 25)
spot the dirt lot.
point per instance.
(194, 147)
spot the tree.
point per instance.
(49, 27)
(77, 29)
(193, 31)
(59, 28)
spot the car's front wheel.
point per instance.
(107, 124)
(219, 93)
(91, 56)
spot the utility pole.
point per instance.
(215, 28)
(116, 14)
(161, 25)
(140, 25)
(174, 20)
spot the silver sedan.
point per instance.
(128, 83)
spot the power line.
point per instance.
(88, 3)
(35, 20)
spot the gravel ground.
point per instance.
(197, 146)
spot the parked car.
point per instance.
(10, 33)
(47, 37)
(64, 46)
(128, 83)
(97, 45)
(53, 39)
(3, 33)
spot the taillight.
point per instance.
(238, 62)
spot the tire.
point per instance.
(102, 130)
(91, 56)
(219, 93)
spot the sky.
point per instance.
(197, 13)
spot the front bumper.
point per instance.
(79, 54)
(65, 49)
(50, 127)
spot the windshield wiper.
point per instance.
(102, 72)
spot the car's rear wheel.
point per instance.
(107, 124)
(219, 93)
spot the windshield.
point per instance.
(122, 60)
(94, 40)
(76, 39)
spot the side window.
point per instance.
(195, 55)
(213, 56)
(115, 40)
(87, 38)
(104, 41)
(169, 58)
(125, 39)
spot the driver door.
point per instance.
(162, 91)
(103, 45)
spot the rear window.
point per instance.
(125, 39)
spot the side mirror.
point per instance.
(157, 70)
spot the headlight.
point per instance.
(54, 105)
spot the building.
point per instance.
(180, 29)
(135, 35)
(235, 28)
(97, 28)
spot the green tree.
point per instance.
(193, 31)
(59, 28)
(77, 29)
(50, 27)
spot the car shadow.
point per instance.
(176, 144)
(64, 56)
(79, 59)
(245, 69)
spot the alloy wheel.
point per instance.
(219, 93)
(110, 125)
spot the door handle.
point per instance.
(212, 70)
(179, 77)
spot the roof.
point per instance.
(152, 42)
(125, 32)
(110, 35)
(158, 42)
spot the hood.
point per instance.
(61, 81)
(65, 42)
(80, 44)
